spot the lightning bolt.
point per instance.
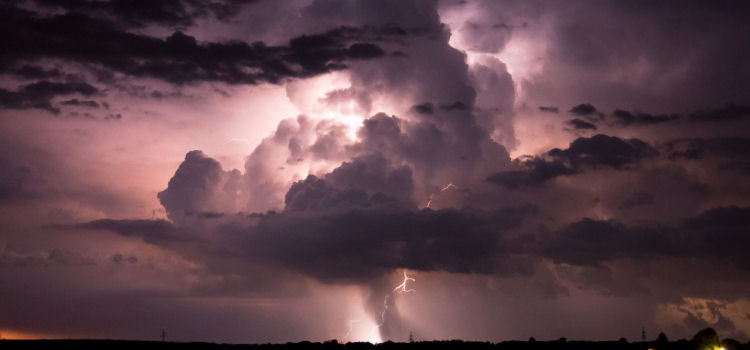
(445, 188)
(385, 309)
(349, 331)
(401, 288)
(448, 186)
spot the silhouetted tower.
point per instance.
(411, 337)
(643, 334)
(163, 335)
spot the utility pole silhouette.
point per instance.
(163, 335)
(643, 334)
(411, 337)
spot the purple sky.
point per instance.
(269, 171)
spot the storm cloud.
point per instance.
(177, 58)
(599, 151)
(264, 171)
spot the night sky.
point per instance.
(270, 171)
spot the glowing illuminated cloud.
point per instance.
(455, 74)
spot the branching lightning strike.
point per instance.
(445, 188)
(402, 286)
(349, 331)
(399, 288)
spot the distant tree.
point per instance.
(662, 338)
(731, 344)
(623, 340)
(706, 338)
(531, 340)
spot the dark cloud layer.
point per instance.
(162, 12)
(152, 231)
(727, 112)
(535, 171)
(596, 152)
(359, 245)
(80, 35)
(581, 124)
(604, 151)
(424, 108)
(83, 103)
(549, 109)
(40, 94)
(179, 58)
(629, 118)
(716, 234)
(55, 257)
(27, 71)
(103, 44)
(583, 109)
(737, 148)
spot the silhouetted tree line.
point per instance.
(706, 339)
